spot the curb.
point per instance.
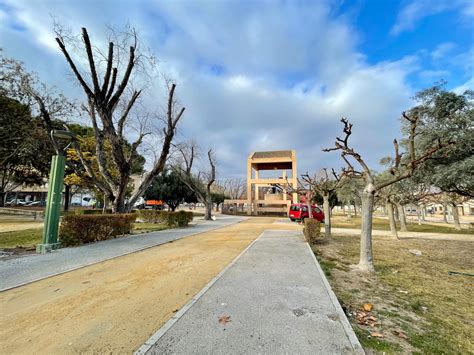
(342, 316)
(160, 332)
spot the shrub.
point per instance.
(171, 219)
(82, 229)
(312, 230)
(151, 216)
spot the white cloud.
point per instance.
(416, 10)
(253, 75)
(442, 50)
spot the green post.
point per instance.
(53, 205)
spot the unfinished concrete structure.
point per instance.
(260, 197)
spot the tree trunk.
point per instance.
(355, 210)
(418, 215)
(423, 213)
(366, 262)
(455, 213)
(208, 206)
(445, 208)
(327, 216)
(3, 197)
(67, 197)
(402, 217)
(349, 212)
(391, 219)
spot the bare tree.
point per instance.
(401, 169)
(110, 101)
(234, 188)
(325, 185)
(200, 182)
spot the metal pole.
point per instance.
(53, 205)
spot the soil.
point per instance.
(417, 306)
(116, 305)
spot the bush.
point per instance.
(312, 230)
(171, 219)
(82, 229)
(151, 216)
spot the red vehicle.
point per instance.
(299, 211)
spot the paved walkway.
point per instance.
(23, 270)
(273, 299)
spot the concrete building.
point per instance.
(262, 195)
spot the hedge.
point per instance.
(82, 229)
(312, 230)
(171, 219)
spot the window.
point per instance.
(294, 208)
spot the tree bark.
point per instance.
(455, 213)
(208, 205)
(355, 210)
(366, 262)
(402, 217)
(67, 197)
(349, 212)
(391, 219)
(3, 197)
(423, 213)
(445, 211)
(327, 216)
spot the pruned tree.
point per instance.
(404, 166)
(111, 99)
(199, 182)
(324, 184)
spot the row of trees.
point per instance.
(115, 82)
(433, 161)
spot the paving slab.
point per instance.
(273, 299)
(23, 270)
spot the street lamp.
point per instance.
(62, 140)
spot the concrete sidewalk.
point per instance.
(274, 298)
(23, 270)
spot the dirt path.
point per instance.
(408, 235)
(114, 306)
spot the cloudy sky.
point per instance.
(270, 75)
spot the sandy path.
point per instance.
(115, 306)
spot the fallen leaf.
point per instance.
(368, 307)
(224, 319)
(376, 335)
(400, 334)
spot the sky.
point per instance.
(269, 75)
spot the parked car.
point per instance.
(36, 203)
(299, 211)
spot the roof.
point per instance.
(273, 154)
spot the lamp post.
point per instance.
(55, 190)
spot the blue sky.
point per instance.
(264, 75)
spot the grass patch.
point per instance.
(382, 224)
(411, 294)
(26, 238)
(149, 227)
(379, 345)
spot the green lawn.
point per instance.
(382, 224)
(28, 238)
